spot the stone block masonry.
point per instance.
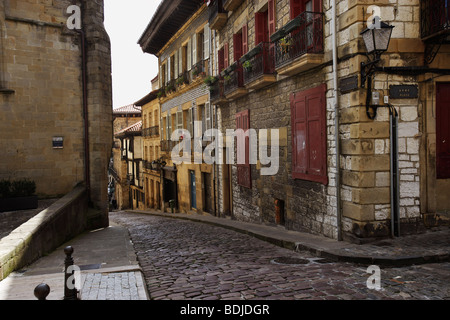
(42, 68)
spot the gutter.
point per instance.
(87, 174)
(336, 122)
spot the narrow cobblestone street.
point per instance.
(184, 260)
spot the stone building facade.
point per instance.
(184, 62)
(275, 60)
(151, 150)
(55, 87)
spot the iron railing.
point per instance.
(234, 79)
(434, 17)
(216, 91)
(259, 61)
(300, 36)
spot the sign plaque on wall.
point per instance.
(405, 91)
(348, 84)
(58, 142)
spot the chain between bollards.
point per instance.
(70, 291)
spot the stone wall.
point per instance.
(43, 233)
(42, 98)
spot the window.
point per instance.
(244, 173)
(309, 137)
(179, 120)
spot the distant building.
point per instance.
(55, 99)
(127, 122)
(152, 159)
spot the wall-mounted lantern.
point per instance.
(376, 39)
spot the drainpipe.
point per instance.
(336, 121)
(85, 112)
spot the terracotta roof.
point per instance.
(130, 109)
(135, 128)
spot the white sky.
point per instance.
(132, 69)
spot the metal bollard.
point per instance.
(42, 291)
(70, 292)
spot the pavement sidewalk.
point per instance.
(108, 263)
(430, 247)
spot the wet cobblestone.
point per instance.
(184, 260)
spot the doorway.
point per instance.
(193, 189)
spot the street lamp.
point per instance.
(376, 39)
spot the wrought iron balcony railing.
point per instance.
(234, 79)
(434, 17)
(216, 92)
(298, 37)
(198, 69)
(258, 61)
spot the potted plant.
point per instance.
(17, 195)
(285, 44)
(247, 65)
(210, 80)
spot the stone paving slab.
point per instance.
(108, 263)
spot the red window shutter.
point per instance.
(443, 130)
(237, 46)
(272, 17)
(244, 170)
(226, 55)
(244, 39)
(309, 138)
(221, 59)
(261, 27)
(296, 7)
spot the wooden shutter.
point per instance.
(443, 130)
(206, 38)
(244, 39)
(244, 170)
(207, 116)
(309, 138)
(272, 17)
(296, 7)
(194, 49)
(237, 46)
(226, 55)
(189, 54)
(180, 60)
(261, 20)
(175, 64)
(221, 59)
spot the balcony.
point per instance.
(198, 70)
(217, 15)
(217, 95)
(231, 5)
(259, 66)
(299, 44)
(434, 17)
(234, 81)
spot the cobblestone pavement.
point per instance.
(185, 260)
